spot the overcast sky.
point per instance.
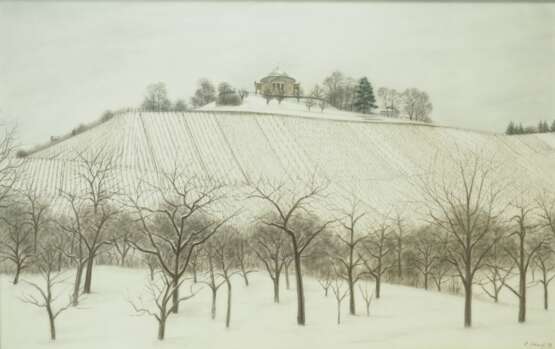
(483, 65)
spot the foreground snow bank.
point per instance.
(403, 318)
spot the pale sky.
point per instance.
(483, 65)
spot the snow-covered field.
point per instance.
(403, 318)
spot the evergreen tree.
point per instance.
(364, 97)
(545, 127)
(553, 126)
(519, 129)
(510, 129)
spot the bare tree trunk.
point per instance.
(378, 285)
(287, 284)
(77, 284)
(352, 309)
(88, 275)
(276, 289)
(338, 313)
(161, 328)
(175, 295)
(426, 281)
(17, 272)
(52, 324)
(228, 312)
(59, 261)
(300, 291)
(213, 305)
(545, 296)
(195, 278)
(245, 278)
(522, 298)
(122, 261)
(467, 304)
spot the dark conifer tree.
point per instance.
(364, 97)
(510, 129)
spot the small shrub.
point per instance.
(108, 114)
(227, 95)
(21, 153)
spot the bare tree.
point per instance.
(204, 94)
(16, 243)
(340, 90)
(225, 249)
(158, 305)
(9, 165)
(152, 263)
(244, 258)
(35, 212)
(545, 262)
(417, 105)
(318, 97)
(213, 282)
(325, 280)
(391, 100)
(156, 98)
(293, 217)
(497, 270)
(348, 256)
(286, 272)
(123, 233)
(521, 248)
(71, 246)
(399, 235)
(46, 296)
(272, 249)
(340, 293)
(376, 249)
(309, 102)
(546, 204)
(88, 228)
(440, 271)
(367, 296)
(195, 264)
(179, 224)
(91, 209)
(462, 200)
(425, 251)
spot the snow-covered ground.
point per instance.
(290, 106)
(403, 318)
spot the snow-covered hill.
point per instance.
(374, 158)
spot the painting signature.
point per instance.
(538, 344)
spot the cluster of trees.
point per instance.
(176, 228)
(227, 95)
(343, 93)
(518, 129)
(156, 100)
(412, 104)
(346, 93)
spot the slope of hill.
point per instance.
(374, 158)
